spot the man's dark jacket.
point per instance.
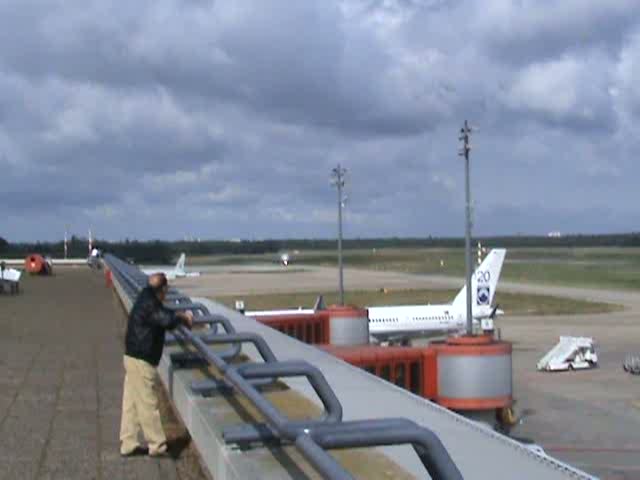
(148, 320)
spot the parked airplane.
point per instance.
(403, 323)
(177, 272)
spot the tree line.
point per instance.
(159, 251)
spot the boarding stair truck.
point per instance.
(9, 279)
(571, 353)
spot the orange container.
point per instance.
(37, 265)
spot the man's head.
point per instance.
(159, 284)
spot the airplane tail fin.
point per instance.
(180, 264)
(484, 282)
(319, 305)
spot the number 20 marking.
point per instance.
(483, 276)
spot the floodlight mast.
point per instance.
(337, 179)
(465, 134)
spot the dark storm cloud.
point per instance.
(528, 31)
(227, 117)
(296, 62)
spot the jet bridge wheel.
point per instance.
(506, 417)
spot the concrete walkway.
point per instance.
(61, 385)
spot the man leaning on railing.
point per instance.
(148, 321)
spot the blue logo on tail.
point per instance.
(484, 294)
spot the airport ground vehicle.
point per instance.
(570, 353)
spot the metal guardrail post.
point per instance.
(333, 408)
(237, 338)
(426, 444)
(325, 464)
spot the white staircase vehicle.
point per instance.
(571, 353)
(9, 279)
(10, 275)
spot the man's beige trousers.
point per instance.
(140, 408)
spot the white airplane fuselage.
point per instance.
(414, 321)
(405, 322)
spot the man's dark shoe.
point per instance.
(176, 446)
(136, 452)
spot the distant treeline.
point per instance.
(154, 251)
(165, 252)
(609, 240)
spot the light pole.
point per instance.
(337, 179)
(465, 133)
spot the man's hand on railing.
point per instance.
(186, 318)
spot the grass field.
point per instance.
(511, 303)
(612, 268)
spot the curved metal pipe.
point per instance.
(426, 444)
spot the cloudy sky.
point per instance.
(223, 118)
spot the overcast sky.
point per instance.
(223, 119)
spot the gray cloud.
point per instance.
(521, 32)
(223, 119)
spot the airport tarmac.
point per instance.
(254, 279)
(590, 419)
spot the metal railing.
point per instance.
(311, 437)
